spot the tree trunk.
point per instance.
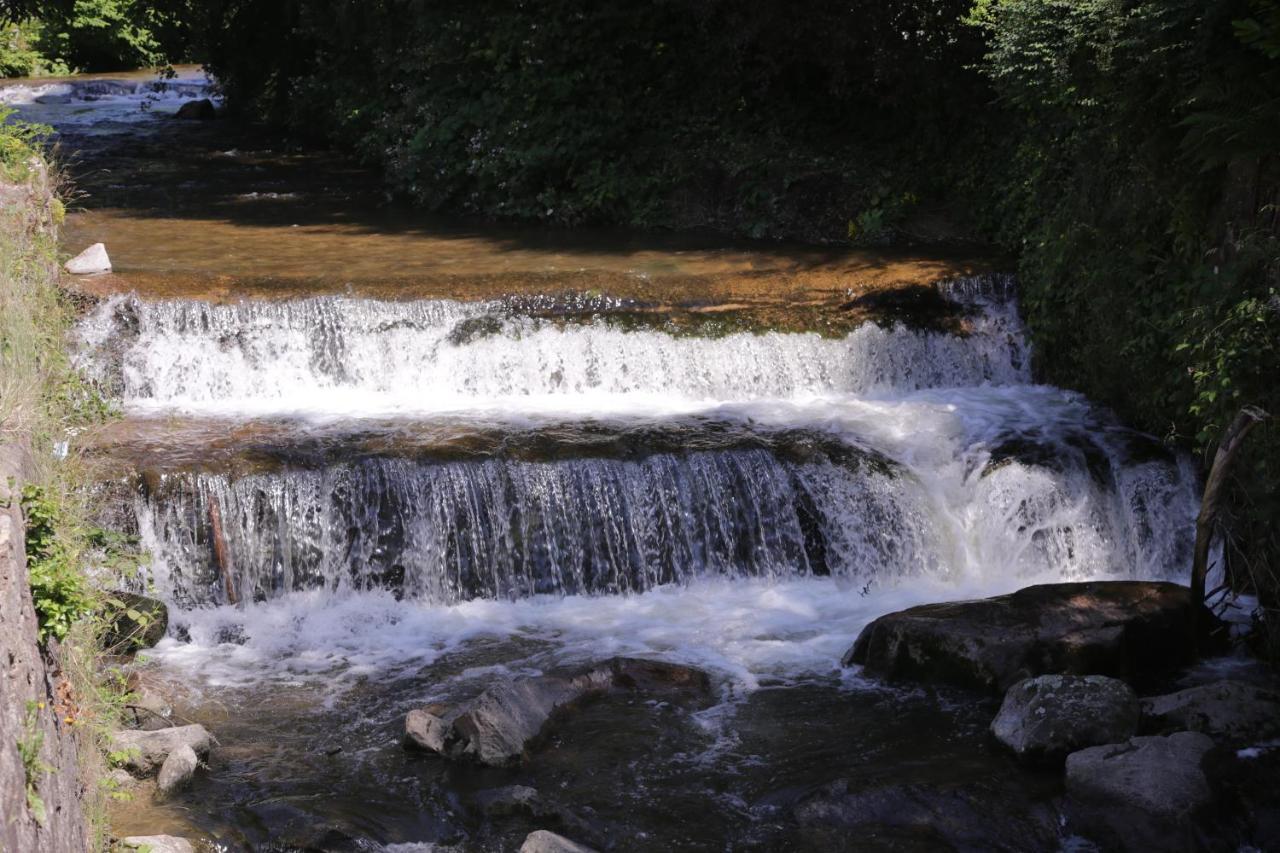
(1206, 523)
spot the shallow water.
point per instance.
(381, 460)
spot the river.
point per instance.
(381, 460)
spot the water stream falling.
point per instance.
(355, 505)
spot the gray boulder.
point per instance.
(1234, 712)
(158, 844)
(1043, 719)
(499, 726)
(146, 751)
(134, 622)
(543, 841)
(1143, 794)
(177, 770)
(1117, 628)
(201, 110)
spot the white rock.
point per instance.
(92, 260)
(158, 844)
(144, 752)
(548, 842)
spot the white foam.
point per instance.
(742, 631)
(357, 356)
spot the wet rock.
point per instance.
(1118, 628)
(499, 726)
(840, 816)
(148, 750)
(1044, 719)
(426, 728)
(176, 771)
(120, 780)
(92, 260)
(1233, 712)
(158, 844)
(510, 800)
(1144, 794)
(137, 622)
(201, 110)
(543, 841)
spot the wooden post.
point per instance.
(220, 551)
(1206, 522)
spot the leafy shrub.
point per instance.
(59, 589)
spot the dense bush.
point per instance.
(61, 36)
(744, 117)
(1142, 199)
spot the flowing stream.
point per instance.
(360, 499)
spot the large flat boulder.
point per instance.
(1147, 793)
(498, 727)
(145, 751)
(846, 816)
(1044, 719)
(1233, 712)
(1117, 628)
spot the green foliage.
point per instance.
(1142, 199)
(742, 117)
(30, 745)
(59, 588)
(20, 141)
(62, 36)
(21, 54)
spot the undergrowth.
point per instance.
(43, 402)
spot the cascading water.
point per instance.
(366, 355)
(889, 459)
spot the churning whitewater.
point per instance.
(887, 466)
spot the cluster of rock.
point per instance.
(153, 745)
(1140, 773)
(502, 726)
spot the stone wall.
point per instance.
(31, 705)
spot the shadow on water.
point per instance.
(182, 203)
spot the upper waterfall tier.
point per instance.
(348, 355)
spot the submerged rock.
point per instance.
(147, 709)
(201, 110)
(1043, 719)
(176, 771)
(146, 751)
(1118, 628)
(92, 260)
(543, 841)
(1144, 794)
(137, 621)
(1234, 712)
(158, 844)
(840, 816)
(498, 726)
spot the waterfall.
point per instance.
(368, 355)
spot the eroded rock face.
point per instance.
(1143, 794)
(839, 816)
(543, 841)
(147, 751)
(1232, 712)
(1044, 719)
(1118, 628)
(498, 726)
